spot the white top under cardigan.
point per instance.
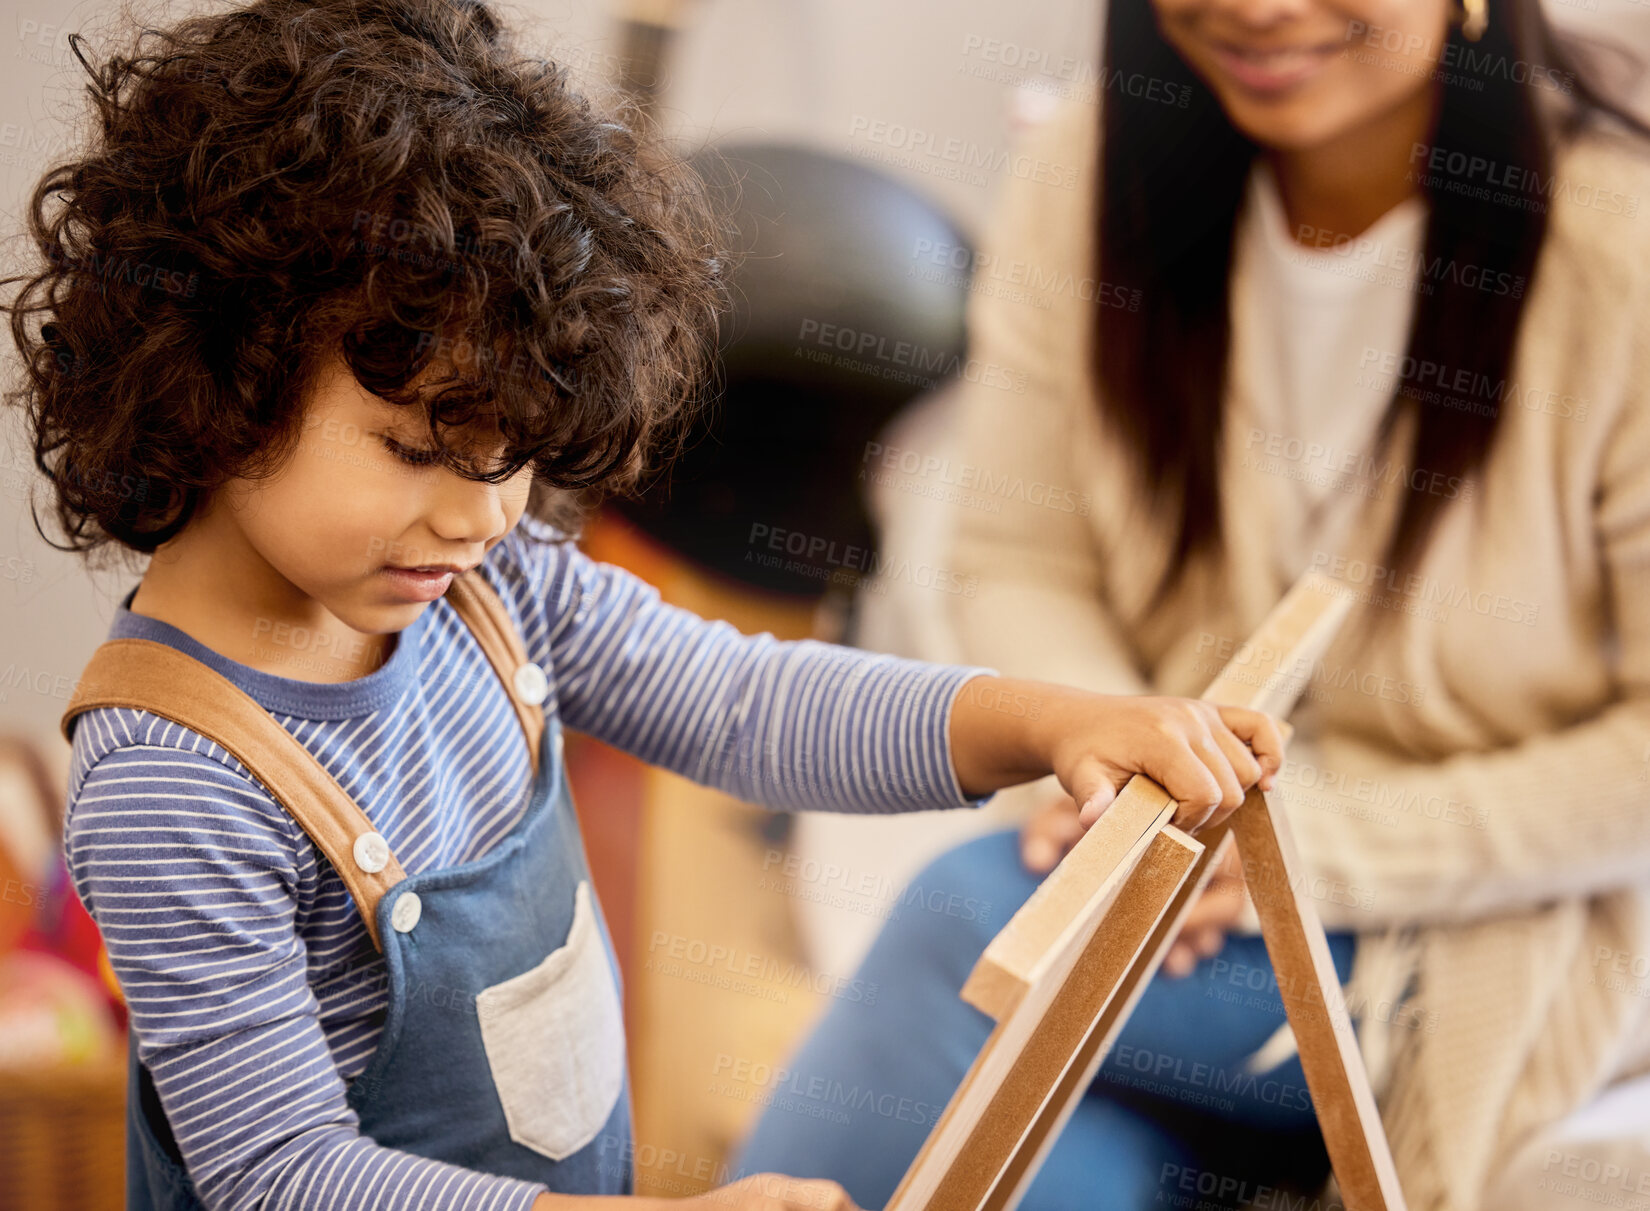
(1483, 806)
(1309, 316)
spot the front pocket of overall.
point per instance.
(554, 1037)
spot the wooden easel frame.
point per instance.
(1066, 971)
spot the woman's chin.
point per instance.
(1295, 125)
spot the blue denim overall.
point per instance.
(502, 952)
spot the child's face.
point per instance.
(345, 507)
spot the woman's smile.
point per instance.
(1272, 70)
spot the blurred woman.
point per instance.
(1360, 286)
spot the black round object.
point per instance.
(847, 303)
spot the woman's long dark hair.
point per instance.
(1172, 180)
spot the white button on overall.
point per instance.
(532, 686)
(372, 852)
(406, 912)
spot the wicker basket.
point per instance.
(63, 1137)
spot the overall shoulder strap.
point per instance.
(157, 678)
(525, 684)
(154, 677)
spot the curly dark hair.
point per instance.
(386, 181)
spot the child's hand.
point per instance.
(1205, 756)
(774, 1192)
(759, 1192)
(1006, 731)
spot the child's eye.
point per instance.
(413, 458)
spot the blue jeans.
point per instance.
(1172, 1119)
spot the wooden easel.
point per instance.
(1068, 968)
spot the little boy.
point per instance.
(432, 294)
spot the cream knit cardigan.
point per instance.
(1469, 793)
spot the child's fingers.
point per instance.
(777, 1192)
(1264, 735)
(1210, 819)
(1092, 786)
(1204, 756)
(1237, 768)
(1229, 759)
(1246, 767)
(1187, 774)
(822, 1196)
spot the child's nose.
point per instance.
(465, 511)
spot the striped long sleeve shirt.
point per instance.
(255, 992)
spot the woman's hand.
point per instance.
(1048, 836)
(1006, 731)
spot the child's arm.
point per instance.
(1005, 731)
(190, 871)
(791, 725)
(801, 724)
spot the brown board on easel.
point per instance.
(1065, 972)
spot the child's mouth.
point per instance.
(417, 584)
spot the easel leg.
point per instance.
(1312, 997)
(1086, 1063)
(1027, 1055)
